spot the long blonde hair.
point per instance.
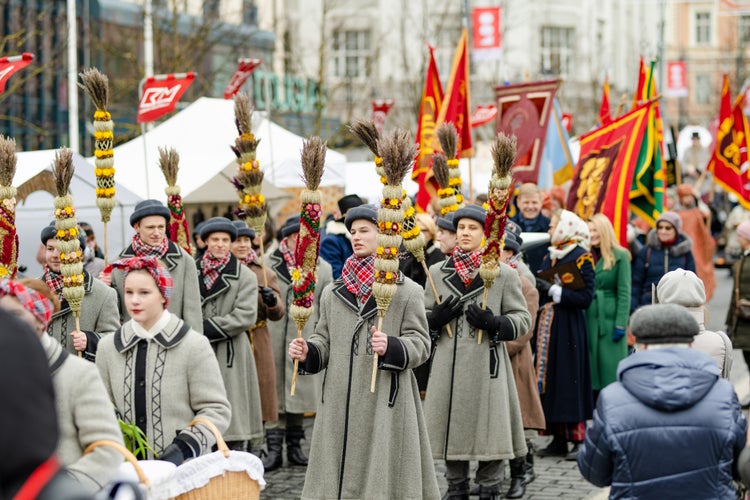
(607, 239)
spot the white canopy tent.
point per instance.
(36, 207)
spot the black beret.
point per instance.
(446, 223)
(218, 225)
(511, 242)
(474, 212)
(149, 207)
(348, 202)
(291, 226)
(49, 232)
(663, 324)
(243, 230)
(367, 212)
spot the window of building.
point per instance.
(743, 28)
(557, 50)
(352, 53)
(249, 12)
(703, 89)
(702, 28)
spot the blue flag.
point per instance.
(556, 165)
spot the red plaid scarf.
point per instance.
(250, 259)
(54, 282)
(142, 250)
(31, 300)
(358, 275)
(466, 263)
(211, 268)
(152, 266)
(287, 253)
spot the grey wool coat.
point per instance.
(230, 308)
(84, 415)
(367, 445)
(307, 392)
(472, 407)
(162, 384)
(185, 301)
(99, 317)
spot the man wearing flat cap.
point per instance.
(670, 427)
(150, 220)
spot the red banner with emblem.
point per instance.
(483, 115)
(160, 95)
(11, 64)
(245, 68)
(432, 100)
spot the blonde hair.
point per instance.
(607, 239)
(429, 225)
(529, 189)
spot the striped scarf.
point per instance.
(287, 253)
(358, 275)
(54, 282)
(544, 329)
(211, 268)
(466, 263)
(142, 250)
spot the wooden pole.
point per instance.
(375, 360)
(435, 294)
(296, 367)
(484, 306)
(263, 261)
(106, 247)
(78, 329)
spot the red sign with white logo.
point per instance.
(567, 121)
(11, 64)
(676, 79)
(160, 95)
(245, 68)
(485, 34)
(380, 109)
(483, 114)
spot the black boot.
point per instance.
(490, 493)
(294, 453)
(557, 448)
(457, 491)
(517, 469)
(573, 453)
(529, 474)
(274, 441)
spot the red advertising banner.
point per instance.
(245, 68)
(160, 94)
(380, 109)
(485, 34)
(11, 64)
(676, 79)
(567, 121)
(483, 114)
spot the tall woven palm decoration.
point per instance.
(448, 138)
(8, 234)
(398, 152)
(498, 192)
(249, 179)
(305, 272)
(169, 163)
(96, 86)
(71, 254)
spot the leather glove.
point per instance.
(172, 453)
(543, 286)
(268, 296)
(555, 291)
(618, 334)
(482, 319)
(443, 313)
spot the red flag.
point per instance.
(245, 68)
(605, 118)
(729, 163)
(160, 94)
(432, 99)
(640, 91)
(380, 109)
(11, 64)
(483, 115)
(456, 105)
(602, 179)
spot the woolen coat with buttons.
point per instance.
(230, 308)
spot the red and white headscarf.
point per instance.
(358, 275)
(31, 300)
(570, 232)
(151, 265)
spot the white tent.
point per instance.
(202, 134)
(36, 186)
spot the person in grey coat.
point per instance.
(99, 313)
(230, 306)
(159, 372)
(472, 407)
(150, 220)
(367, 445)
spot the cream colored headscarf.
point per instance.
(570, 232)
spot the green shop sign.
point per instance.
(287, 94)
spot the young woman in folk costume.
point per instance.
(99, 313)
(159, 372)
(84, 412)
(230, 308)
(472, 408)
(367, 445)
(563, 367)
(292, 409)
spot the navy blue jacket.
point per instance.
(671, 427)
(539, 224)
(335, 248)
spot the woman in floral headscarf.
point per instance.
(562, 358)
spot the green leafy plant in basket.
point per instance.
(135, 440)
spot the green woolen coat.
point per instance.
(610, 308)
(472, 407)
(367, 445)
(739, 329)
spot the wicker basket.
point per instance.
(125, 453)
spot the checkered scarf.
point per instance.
(359, 275)
(143, 250)
(54, 282)
(211, 268)
(251, 258)
(287, 253)
(151, 265)
(466, 263)
(31, 300)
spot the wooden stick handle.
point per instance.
(78, 329)
(484, 306)
(435, 294)
(296, 367)
(263, 262)
(375, 360)
(106, 247)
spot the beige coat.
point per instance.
(472, 407)
(230, 308)
(84, 415)
(185, 301)
(162, 384)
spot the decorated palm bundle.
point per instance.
(8, 234)
(398, 152)
(71, 254)
(446, 194)
(304, 274)
(169, 163)
(448, 138)
(498, 193)
(96, 86)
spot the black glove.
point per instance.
(173, 453)
(543, 287)
(443, 313)
(268, 296)
(483, 319)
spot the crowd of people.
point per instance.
(579, 338)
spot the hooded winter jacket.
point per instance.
(671, 427)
